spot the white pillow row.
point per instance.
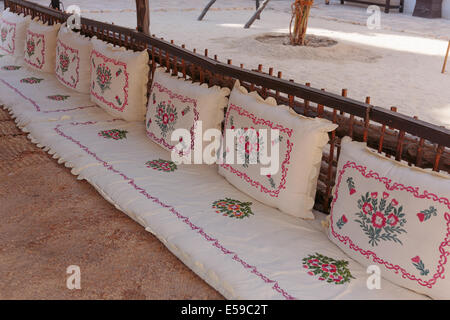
(116, 78)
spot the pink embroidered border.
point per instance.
(214, 242)
(38, 108)
(77, 69)
(183, 99)
(415, 192)
(284, 169)
(13, 37)
(125, 88)
(38, 35)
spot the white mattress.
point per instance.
(259, 257)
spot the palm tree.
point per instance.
(299, 21)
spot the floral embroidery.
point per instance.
(249, 147)
(11, 68)
(67, 70)
(328, 269)
(426, 214)
(31, 80)
(166, 117)
(342, 220)
(379, 220)
(4, 34)
(351, 185)
(105, 72)
(166, 122)
(58, 97)
(162, 165)
(35, 49)
(115, 134)
(31, 47)
(8, 28)
(103, 77)
(64, 62)
(233, 208)
(417, 262)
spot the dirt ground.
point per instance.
(50, 220)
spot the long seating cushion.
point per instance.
(263, 255)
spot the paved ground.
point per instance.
(50, 220)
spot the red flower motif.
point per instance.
(344, 219)
(378, 220)
(394, 202)
(421, 216)
(171, 117)
(367, 207)
(385, 195)
(313, 262)
(305, 266)
(352, 191)
(416, 259)
(165, 118)
(374, 194)
(392, 219)
(330, 268)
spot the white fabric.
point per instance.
(72, 65)
(178, 104)
(13, 29)
(301, 140)
(119, 80)
(394, 216)
(40, 45)
(256, 257)
(33, 94)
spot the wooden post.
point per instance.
(205, 10)
(256, 15)
(55, 4)
(143, 16)
(446, 57)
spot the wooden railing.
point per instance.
(396, 135)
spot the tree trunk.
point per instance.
(143, 16)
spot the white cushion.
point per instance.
(292, 189)
(393, 216)
(72, 65)
(177, 103)
(40, 46)
(12, 32)
(119, 80)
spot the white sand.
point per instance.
(398, 65)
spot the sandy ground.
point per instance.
(50, 220)
(397, 65)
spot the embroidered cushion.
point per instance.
(40, 46)
(72, 65)
(176, 103)
(119, 80)
(12, 32)
(387, 214)
(300, 142)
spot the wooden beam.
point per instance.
(143, 16)
(200, 17)
(446, 57)
(256, 15)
